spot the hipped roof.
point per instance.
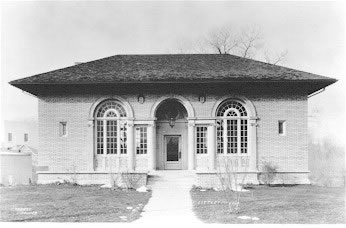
(182, 68)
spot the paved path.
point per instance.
(171, 201)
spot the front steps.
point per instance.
(172, 178)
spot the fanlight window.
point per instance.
(111, 108)
(110, 128)
(231, 105)
(232, 129)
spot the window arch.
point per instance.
(110, 128)
(232, 128)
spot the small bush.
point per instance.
(268, 174)
(131, 180)
(196, 188)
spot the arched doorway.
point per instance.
(171, 135)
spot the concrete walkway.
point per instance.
(171, 201)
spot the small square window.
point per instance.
(63, 129)
(282, 127)
(9, 137)
(26, 137)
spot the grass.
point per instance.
(301, 204)
(67, 203)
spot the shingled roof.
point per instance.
(184, 68)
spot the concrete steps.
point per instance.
(172, 178)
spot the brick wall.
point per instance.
(74, 153)
(289, 152)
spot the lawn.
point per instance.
(67, 203)
(300, 204)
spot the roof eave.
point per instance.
(328, 80)
(316, 84)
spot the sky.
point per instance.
(37, 37)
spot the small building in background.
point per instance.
(16, 165)
(18, 154)
(20, 133)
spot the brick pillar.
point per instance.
(211, 146)
(191, 145)
(130, 146)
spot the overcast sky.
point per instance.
(38, 37)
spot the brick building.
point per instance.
(138, 113)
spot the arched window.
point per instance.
(110, 128)
(232, 128)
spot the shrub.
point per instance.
(130, 179)
(268, 173)
(232, 178)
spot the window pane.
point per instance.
(141, 140)
(230, 104)
(201, 140)
(172, 148)
(243, 137)
(26, 137)
(99, 136)
(111, 104)
(112, 136)
(232, 136)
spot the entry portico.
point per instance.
(187, 117)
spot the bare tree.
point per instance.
(223, 40)
(278, 58)
(227, 40)
(249, 41)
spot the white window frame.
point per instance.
(238, 118)
(145, 150)
(206, 140)
(120, 121)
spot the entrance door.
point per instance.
(173, 152)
